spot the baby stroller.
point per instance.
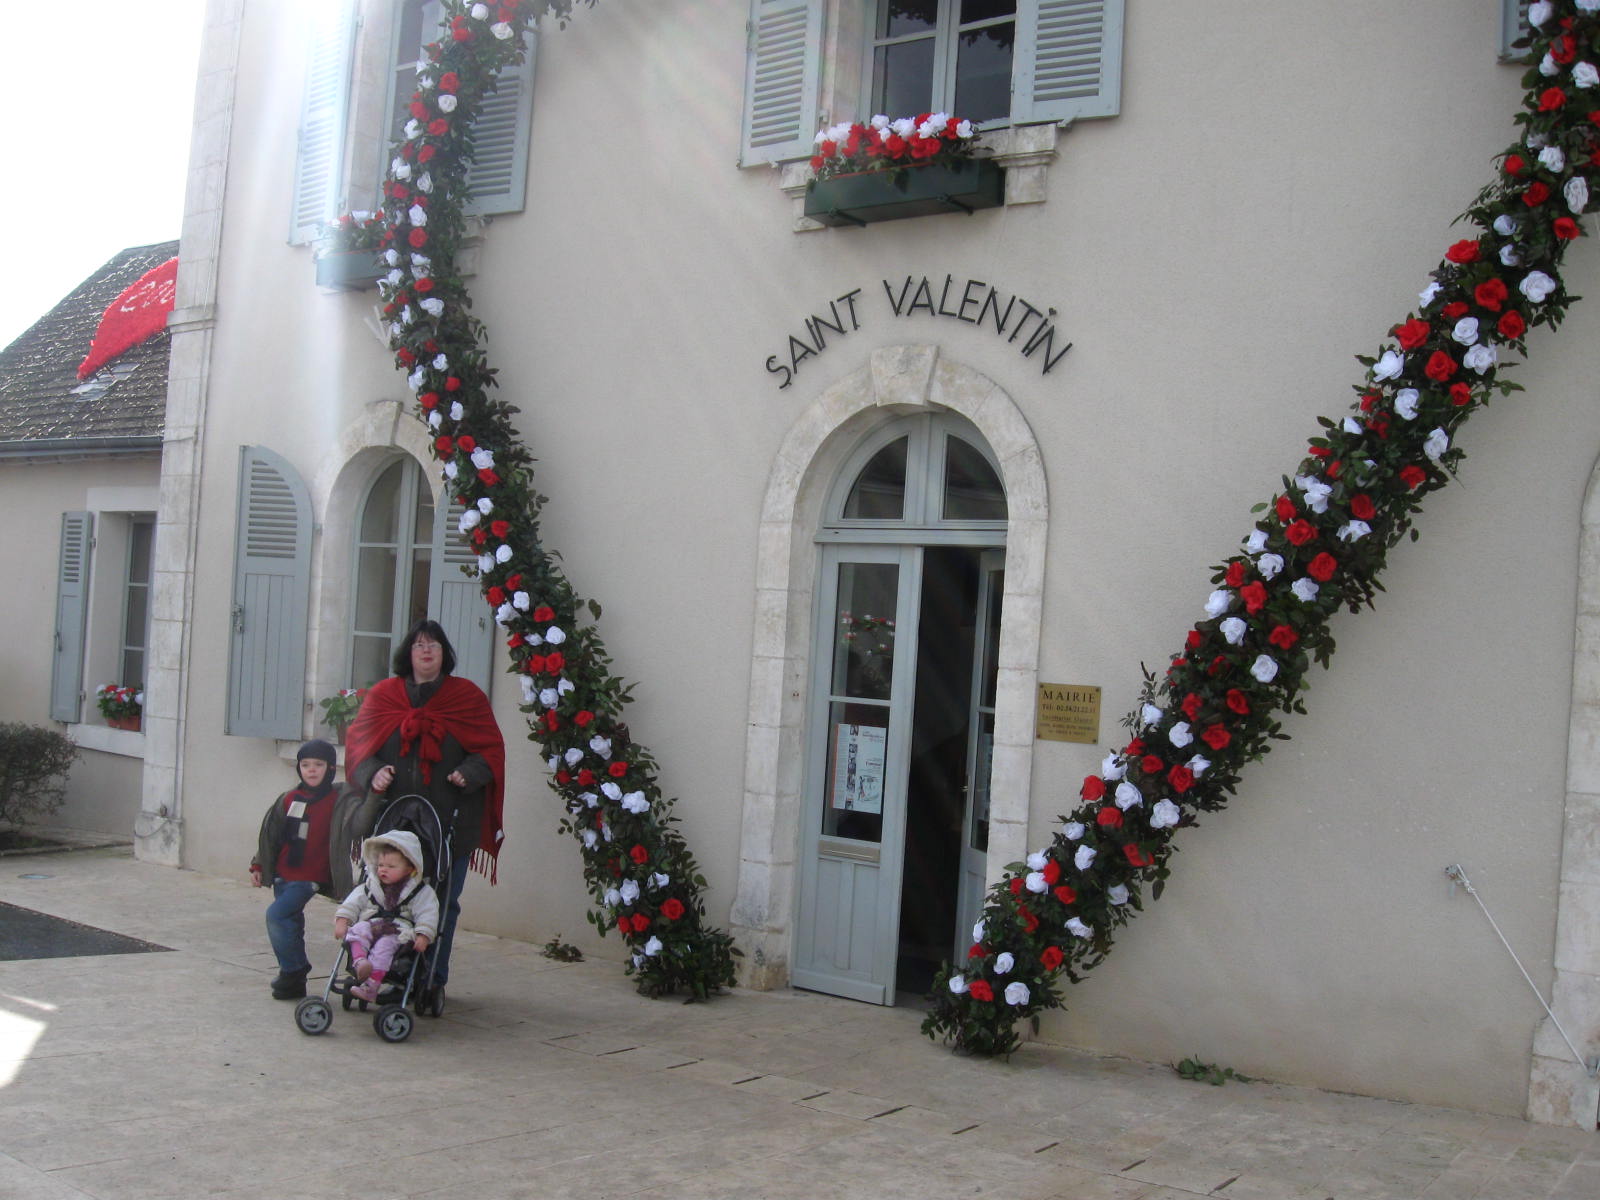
(409, 984)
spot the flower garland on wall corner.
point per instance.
(1317, 547)
(636, 863)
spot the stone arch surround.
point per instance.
(897, 381)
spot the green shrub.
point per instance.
(33, 771)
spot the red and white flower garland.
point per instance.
(637, 865)
(1318, 547)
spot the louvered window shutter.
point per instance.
(319, 160)
(1069, 60)
(271, 597)
(456, 601)
(498, 180)
(72, 615)
(1513, 25)
(783, 58)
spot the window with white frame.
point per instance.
(136, 600)
(943, 56)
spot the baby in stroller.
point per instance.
(391, 908)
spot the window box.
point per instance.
(349, 270)
(916, 191)
(131, 724)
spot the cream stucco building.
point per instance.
(749, 425)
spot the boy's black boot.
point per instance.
(290, 985)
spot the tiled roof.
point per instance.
(38, 371)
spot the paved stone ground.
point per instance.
(175, 1076)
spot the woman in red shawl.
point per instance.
(425, 732)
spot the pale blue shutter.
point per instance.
(1068, 60)
(319, 158)
(72, 615)
(456, 601)
(783, 59)
(498, 180)
(1513, 25)
(271, 597)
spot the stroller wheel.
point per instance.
(430, 1001)
(393, 1023)
(313, 1015)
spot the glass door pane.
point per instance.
(861, 683)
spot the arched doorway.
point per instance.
(900, 732)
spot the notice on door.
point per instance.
(1068, 712)
(858, 756)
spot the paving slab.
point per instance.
(174, 1075)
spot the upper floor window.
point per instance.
(943, 55)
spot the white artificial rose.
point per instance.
(1084, 858)
(660, 880)
(485, 563)
(441, 362)
(530, 691)
(549, 697)
(1427, 294)
(412, 129)
(1352, 426)
(1198, 765)
(638, 961)
(1536, 286)
(590, 799)
(1539, 12)
(1316, 491)
(1265, 668)
(1466, 331)
(1112, 768)
(502, 553)
(1034, 881)
(1003, 963)
(1481, 358)
(1588, 6)
(1505, 224)
(1509, 256)
(566, 685)
(400, 169)
(1353, 531)
(1389, 365)
(1405, 403)
(425, 181)
(456, 411)
(635, 802)
(573, 756)
(450, 472)
(504, 615)
(1073, 830)
(1163, 815)
(590, 839)
(1256, 542)
(1552, 159)
(1576, 193)
(434, 307)
(1270, 565)
(468, 519)
(958, 984)
(1127, 796)
(1548, 66)
(977, 933)
(1016, 993)
(1216, 604)
(1233, 630)
(483, 458)
(613, 898)
(611, 789)
(1151, 715)
(965, 129)
(1305, 589)
(407, 316)
(601, 746)
(1180, 735)
(392, 256)
(417, 215)
(630, 890)
(480, 12)
(501, 30)
(1076, 926)
(421, 264)
(485, 505)
(1438, 442)
(1117, 894)
(447, 103)
(904, 126)
(1037, 860)
(1584, 75)
(555, 635)
(652, 947)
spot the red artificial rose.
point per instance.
(1191, 705)
(1052, 871)
(1491, 294)
(554, 661)
(515, 640)
(1301, 532)
(419, 110)
(1564, 49)
(1065, 894)
(1535, 194)
(1322, 567)
(500, 528)
(429, 400)
(672, 908)
(563, 777)
(977, 951)
(1016, 885)
(1135, 856)
(1283, 636)
(1109, 817)
(1460, 394)
(514, 581)
(1412, 333)
(497, 595)
(1551, 99)
(488, 478)
(640, 922)
(438, 127)
(1285, 509)
(1566, 228)
(535, 664)
(1254, 594)
(1150, 764)
(1441, 367)
(1134, 747)
(424, 154)
(1219, 664)
(585, 778)
(1454, 310)
(1514, 165)
(639, 854)
(980, 990)
(1051, 957)
(1465, 251)
(467, 442)
(1181, 778)
(617, 769)
(1362, 507)
(544, 613)
(1511, 325)
(1029, 921)
(582, 718)
(1334, 468)
(1216, 737)
(1238, 702)
(418, 238)
(1412, 476)
(444, 445)
(449, 81)
(1093, 787)
(551, 721)
(1235, 575)
(1193, 639)
(452, 384)
(479, 537)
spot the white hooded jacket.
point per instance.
(419, 913)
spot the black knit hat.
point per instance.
(317, 748)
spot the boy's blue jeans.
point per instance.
(286, 923)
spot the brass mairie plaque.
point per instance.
(1068, 712)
